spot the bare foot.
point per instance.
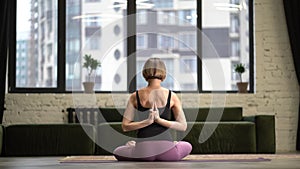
(130, 143)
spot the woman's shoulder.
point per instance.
(147, 90)
(166, 89)
(174, 96)
(133, 96)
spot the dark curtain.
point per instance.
(5, 7)
(292, 8)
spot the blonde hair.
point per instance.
(154, 68)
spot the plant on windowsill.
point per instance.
(242, 86)
(91, 65)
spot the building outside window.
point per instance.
(235, 48)
(141, 41)
(163, 3)
(87, 1)
(166, 17)
(188, 41)
(187, 17)
(141, 17)
(188, 65)
(235, 23)
(166, 42)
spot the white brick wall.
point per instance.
(277, 90)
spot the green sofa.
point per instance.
(100, 133)
(229, 131)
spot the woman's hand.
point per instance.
(180, 121)
(128, 123)
(151, 117)
(155, 112)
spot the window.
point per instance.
(234, 23)
(188, 41)
(187, 17)
(167, 39)
(235, 48)
(36, 43)
(92, 1)
(188, 65)
(53, 35)
(223, 29)
(99, 33)
(93, 43)
(163, 3)
(21, 63)
(165, 42)
(92, 21)
(166, 18)
(141, 17)
(236, 2)
(141, 41)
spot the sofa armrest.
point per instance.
(49, 139)
(265, 132)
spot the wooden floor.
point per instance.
(277, 162)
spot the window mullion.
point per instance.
(131, 45)
(61, 46)
(12, 49)
(251, 47)
(199, 46)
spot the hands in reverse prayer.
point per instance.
(153, 114)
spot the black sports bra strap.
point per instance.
(138, 99)
(169, 99)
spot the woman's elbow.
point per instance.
(124, 128)
(183, 127)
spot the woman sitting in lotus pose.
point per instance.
(153, 105)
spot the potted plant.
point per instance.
(242, 86)
(90, 64)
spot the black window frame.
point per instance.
(131, 49)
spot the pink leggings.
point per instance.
(153, 151)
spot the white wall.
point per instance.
(277, 90)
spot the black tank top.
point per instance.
(154, 131)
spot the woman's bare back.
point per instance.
(150, 96)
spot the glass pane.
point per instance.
(36, 54)
(225, 27)
(167, 29)
(96, 28)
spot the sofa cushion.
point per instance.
(215, 114)
(49, 139)
(228, 137)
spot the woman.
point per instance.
(153, 105)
